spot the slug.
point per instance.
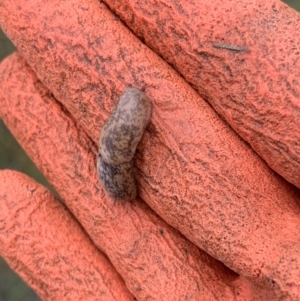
(118, 141)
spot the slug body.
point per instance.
(118, 141)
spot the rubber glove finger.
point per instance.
(43, 243)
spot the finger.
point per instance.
(256, 92)
(43, 243)
(206, 175)
(155, 261)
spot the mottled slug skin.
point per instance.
(125, 127)
(118, 142)
(117, 180)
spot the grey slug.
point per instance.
(118, 141)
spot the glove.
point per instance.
(192, 170)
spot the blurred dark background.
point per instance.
(12, 156)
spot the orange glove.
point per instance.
(257, 92)
(192, 170)
(153, 258)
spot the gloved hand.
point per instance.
(191, 168)
(58, 258)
